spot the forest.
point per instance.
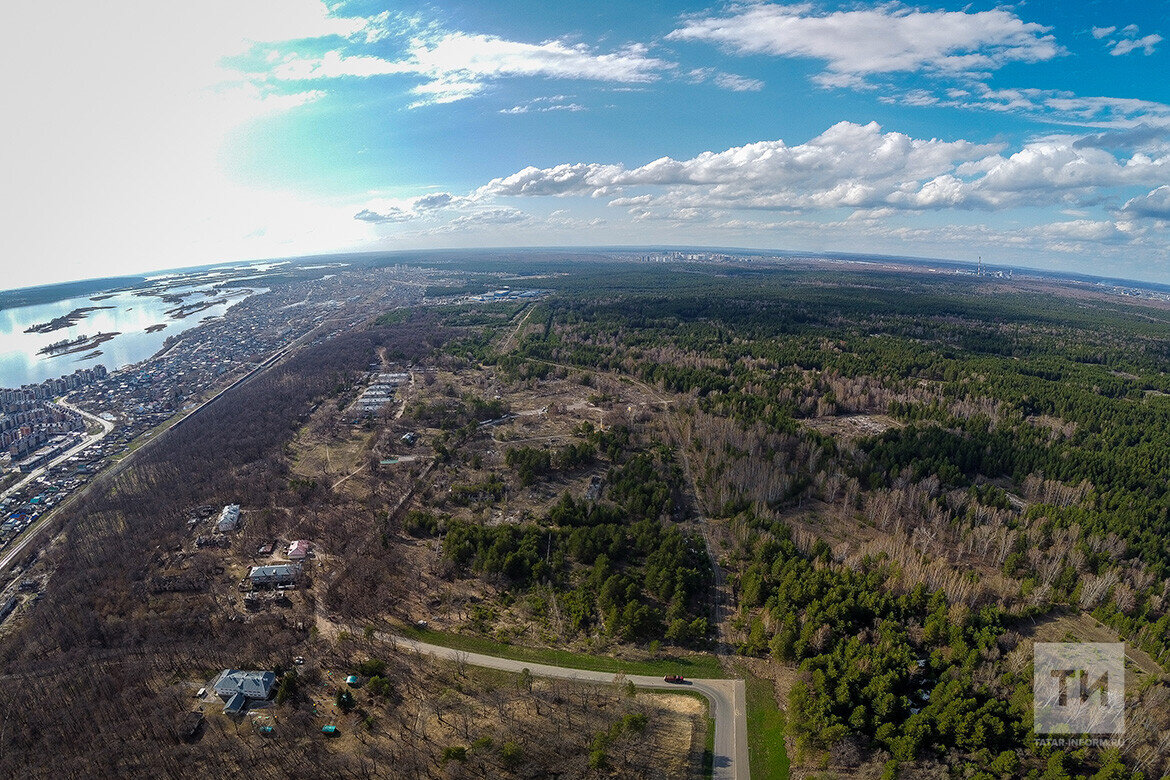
(873, 489)
(620, 568)
(907, 474)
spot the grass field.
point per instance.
(695, 665)
(1083, 627)
(765, 722)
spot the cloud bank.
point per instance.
(889, 38)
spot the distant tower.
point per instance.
(980, 271)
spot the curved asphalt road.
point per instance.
(726, 697)
(31, 532)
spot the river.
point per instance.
(129, 314)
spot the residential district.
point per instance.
(56, 436)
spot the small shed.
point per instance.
(189, 725)
(329, 731)
(299, 550)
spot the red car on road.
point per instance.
(673, 678)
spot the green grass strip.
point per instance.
(694, 665)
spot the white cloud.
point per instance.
(500, 216)
(1084, 230)
(458, 65)
(847, 165)
(390, 210)
(487, 56)
(738, 83)
(391, 214)
(1049, 105)
(913, 97)
(1154, 204)
(565, 179)
(1127, 40)
(1042, 173)
(543, 105)
(1147, 44)
(887, 39)
(436, 200)
(334, 64)
(638, 200)
(851, 166)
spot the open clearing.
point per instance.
(1083, 627)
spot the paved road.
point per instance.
(11, 553)
(85, 442)
(727, 698)
(31, 532)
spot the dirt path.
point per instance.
(347, 476)
(510, 342)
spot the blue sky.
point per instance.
(165, 134)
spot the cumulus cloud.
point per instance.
(890, 38)
(564, 179)
(392, 214)
(851, 166)
(385, 211)
(1154, 204)
(848, 163)
(853, 179)
(1042, 173)
(435, 200)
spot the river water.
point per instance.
(129, 315)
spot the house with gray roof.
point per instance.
(229, 519)
(237, 687)
(279, 574)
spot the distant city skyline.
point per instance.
(144, 137)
